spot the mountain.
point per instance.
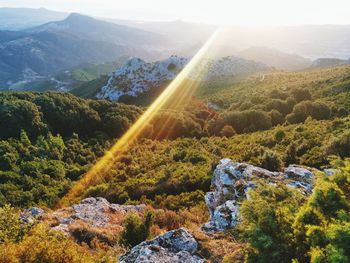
(90, 28)
(22, 18)
(38, 52)
(309, 41)
(137, 76)
(327, 62)
(275, 58)
(33, 55)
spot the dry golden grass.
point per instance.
(218, 247)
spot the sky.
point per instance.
(231, 12)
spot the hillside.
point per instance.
(294, 116)
(328, 62)
(193, 184)
(35, 53)
(69, 79)
(275, 58)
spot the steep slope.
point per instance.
(137, 76)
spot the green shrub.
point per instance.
(248, 121)
(281, 227)
(271, 161)
(340, 145)
(135, 230)
(12, 229)
(267, 218)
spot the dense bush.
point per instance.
(249, 120)
(281, 227)
(267, 219)
(340, 145)
(304, 109)
(41, 172)
(12, 229)
(61, 113)
(135, 230)
(271, 161)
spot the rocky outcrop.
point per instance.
(232, 181)
(176, 246)
(137, 76)
(96, 212)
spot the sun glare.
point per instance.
(179, 90)
(224, 12)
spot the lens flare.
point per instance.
(100, 169)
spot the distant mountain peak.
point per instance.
(79, 17)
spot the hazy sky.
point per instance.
(241, 12)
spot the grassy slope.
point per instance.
(330, 85)
(89, 89)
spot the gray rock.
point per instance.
(295, 171)
(224, 216)
(330, 171)
(29, 215)
(94, 211)
(231, 183)
(176, 246)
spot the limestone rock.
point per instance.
(176, 246)
(232, 181)
(97, 212)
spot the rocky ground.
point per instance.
(231, 183)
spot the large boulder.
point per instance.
(176, 246)
(232, 181)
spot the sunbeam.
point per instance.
(102, 166)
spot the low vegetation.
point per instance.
(48, 141)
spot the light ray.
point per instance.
(103, 165)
